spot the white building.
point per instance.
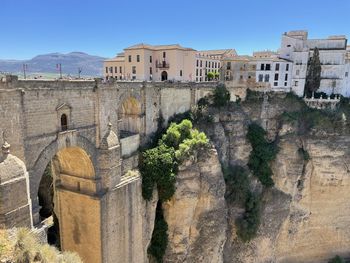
(272, 72)
(334, 57)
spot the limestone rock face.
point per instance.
(318, 224)
(197, 213)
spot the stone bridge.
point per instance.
(88, 134)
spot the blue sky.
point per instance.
(105, 27)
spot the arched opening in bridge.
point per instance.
(129, 117)
(164, 76)
(64, 122)
(67, 180)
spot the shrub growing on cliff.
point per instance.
(263, 152)
(221, 96)
(159, 165)
(159, 239)
(237, 184)
(248, 225)
(158, 168)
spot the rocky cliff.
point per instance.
(305, 217)
(197, 213)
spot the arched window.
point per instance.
(64, 122)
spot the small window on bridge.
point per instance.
(64, 122)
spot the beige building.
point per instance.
(164, 62)
(210, 61)
(238, 71)
(147, 62)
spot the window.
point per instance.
(201, 63)
(287, 67)
(267, 78)
(275, 84)
(206, 63)
(180, 73)
(261, 77)
(138, 58)
(276, 76)
(241, 77)
(296, 83)
(285, 84)
(268, 67)
(164, 54)
(120, 77)
(64, 122)
(197, 62)
(120, 70)
(133, 69)
(197, 79)
(209, 64)
(215, 65)
(277, 67)
(297, 72)
(219, 64)
(229, 65)
(106, 69)
(150, 70)
(110, 69)
(116, 70)
(200, 73)
(346, 74)
(288, 45)
(262, 67)
(150, 59)
(197, 71)
(133, 77)
(286, 77)
(129, 58)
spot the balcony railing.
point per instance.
(162, 65)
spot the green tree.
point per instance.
(216, 75)
(221, 96)
(210, 75)
(313, 74)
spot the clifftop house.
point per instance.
(164, 62)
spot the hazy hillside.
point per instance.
(90, 65)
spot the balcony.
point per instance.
(162, 65)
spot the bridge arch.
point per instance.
(64, 140)
(129, 117)
(75, 209)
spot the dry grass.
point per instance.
(22, 246)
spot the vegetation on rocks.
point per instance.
(159, 239)
(221, 96)
(238, 191)
(22, 246)
(159, 166)
(248, 225)
(237, 184)
(263, 152)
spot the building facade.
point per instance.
(164, 62)
(334, 57)
(238, 71)
(211, 61)
(272, 72)
(146, 62)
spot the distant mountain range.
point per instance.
(46, 64)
